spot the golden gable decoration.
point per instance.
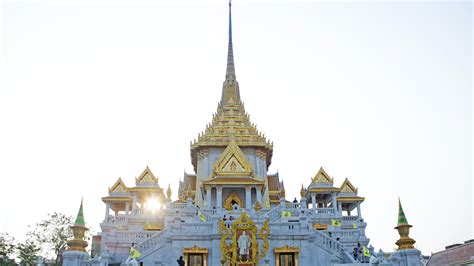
(233, 162)
(232, 198)
(118, 187)
(347, 187)
(244, 226)
(322, 177)
(146, 177)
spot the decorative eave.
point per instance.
(347, 187)
(231, 122)
(233, 181)
(118, 199)
(350, 199)
(145, 189)
(323, 189)
(195, 250)
(286, 249)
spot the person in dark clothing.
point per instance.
(295, 201)
(180, 261)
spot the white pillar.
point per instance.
(127, 208)
(107, 211)
(219, 197)
(358, 210)
(259, 195)
(334, 202)
(339, 206)
(208, 197)
(134, 202)
(248, 198)
(313, 201)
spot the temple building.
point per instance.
(232, 211)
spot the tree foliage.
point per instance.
(7, 244)
(52, 235)
(28, 252)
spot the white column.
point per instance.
(127, 208)
(107, 211)
(259, 196)
(358, 210)
(340, 206)
(248, 198)
(313, 201)
(334, 202)
(219, 197)
(208, 197)
(134, 202)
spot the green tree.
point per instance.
(7, 247)
(7, 244)
(52, 234)
(28, 252)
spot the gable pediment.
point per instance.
(233, 162)
(118, 187)
(146, 177)
(322, 178)
(347, 187)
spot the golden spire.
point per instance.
(405, 242)
(78, 229)
(302, 191)
(230, 90)
(168, 192)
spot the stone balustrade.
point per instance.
(350, 218)
(291, 205)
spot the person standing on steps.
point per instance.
(180, 261)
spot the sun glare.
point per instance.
(152, 205)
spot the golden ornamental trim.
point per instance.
(118, 187)
(322, 177)
(233, 161)
(146, 177)
(243, 224)
(286, 249)
(195, 250)
(347, 187)
(228, 202)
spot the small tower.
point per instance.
(78, 229)
(168, 192)
(405, 242)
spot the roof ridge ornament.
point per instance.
(230, 90)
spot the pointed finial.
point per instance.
(405, 242)
(80, 216)
(168, 191)
(402, 219)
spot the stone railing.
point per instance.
(178, 205)
(209, 212)
(285, 228)
(151, 244)
(134, 237)
(290, 205)
(345, 234)
(350, 218)
(329, 244)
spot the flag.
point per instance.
(365, 251)
(285, 214)
(201, 216)
(134, 253)
(335, 222)
(354, 225)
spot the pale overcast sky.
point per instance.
(376, 92)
